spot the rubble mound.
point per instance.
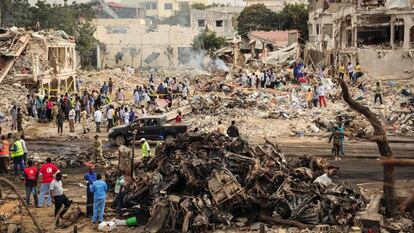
(203, 180)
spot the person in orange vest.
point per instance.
(4, 154)
(30, 182)
(16, 153)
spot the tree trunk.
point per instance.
(384, 149)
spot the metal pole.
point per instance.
(134, 133)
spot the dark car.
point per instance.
(148, 127)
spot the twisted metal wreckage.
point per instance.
(202, 180)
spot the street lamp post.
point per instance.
(134, 133)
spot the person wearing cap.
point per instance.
(90, 177)
(145, 148)
(99, 189)
(97, 149)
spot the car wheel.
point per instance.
(120, 140)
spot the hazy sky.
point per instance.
(232, 2)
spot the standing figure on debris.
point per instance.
(17, 153)
(341, 71)
(49, 107)
(220, 128)
(98, 119)
(90, 177)
(336, 145)
(358, 72)
(309, 97)
(120, 96)
(97, 150)
(60, 118)
(104, 89)
(13, 117)
(125, 116)
(145, 148)
(119, 191)
(19, 120)
(55, 111)
(1, 122)
(378, 93)
(342, 131)
(178, 118)
(38, 105)
(110, 117)
(77, 110)
(315, 98)
(30, 105)
(110, 85)
(4, 154)
(321, 95)
(143, 111)
(350, 69)
(25, 151)
(30, 182)
(233, 131)
(59, 198)
(72, 115)
(83, 116)
(99, 189)
(47, 171)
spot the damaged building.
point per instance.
(44, 60)
(377, 34)
(124, 42)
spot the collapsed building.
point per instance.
(377, 34)
(44, 60)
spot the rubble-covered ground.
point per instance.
(184, 186)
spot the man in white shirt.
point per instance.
(321, 91)
(72, 114)
(98, 119)
(125, 116)
(110, 117)
(59, 198)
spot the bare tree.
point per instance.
(384, 149)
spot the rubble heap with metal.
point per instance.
(203, 181)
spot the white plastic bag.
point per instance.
(107, 226)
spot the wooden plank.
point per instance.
(6, 70)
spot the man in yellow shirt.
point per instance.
(341, 70)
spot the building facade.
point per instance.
(162, 8)
(140, 46)
(220, 22)
(378, 34)
(275, 5)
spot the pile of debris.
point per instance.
(201, 181)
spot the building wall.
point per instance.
(137, 44)
(161, 9)
(275, 5)
(219, 22)
(384, 62)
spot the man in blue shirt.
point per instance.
(90, 177)
(99, 189)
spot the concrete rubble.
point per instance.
(205, 181)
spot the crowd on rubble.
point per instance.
(105, 104)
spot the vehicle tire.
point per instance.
(169, 138)
(120, 140)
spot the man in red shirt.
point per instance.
(47, 171)
(178, 118)
(30, 182)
